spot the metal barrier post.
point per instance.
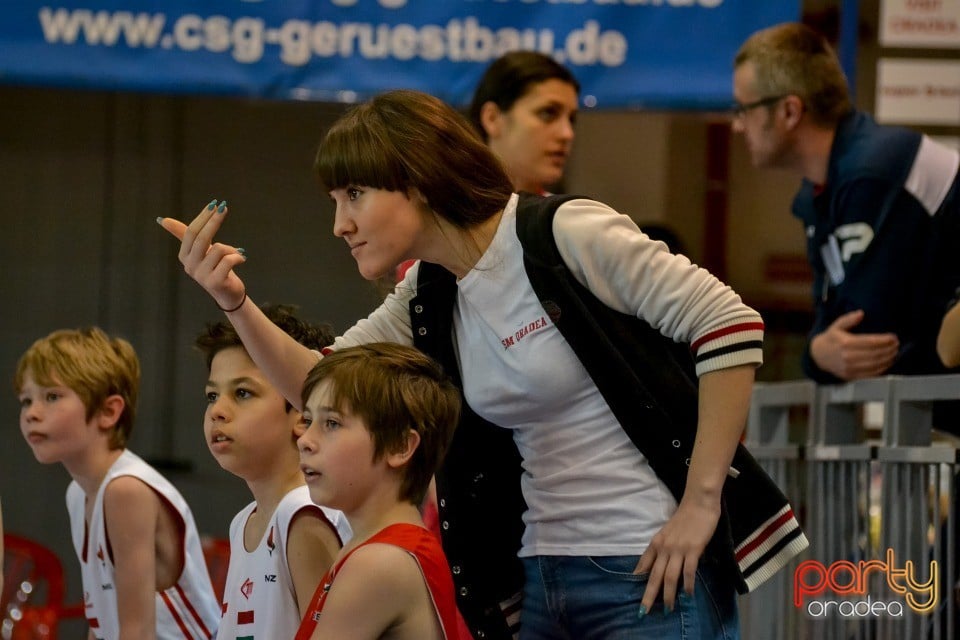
(768, 612)
(919, 502)
(881, 514)
(839, 459)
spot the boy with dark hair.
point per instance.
(282, 543)
(380, 417)
(143, 570)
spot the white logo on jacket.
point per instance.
(845, 242)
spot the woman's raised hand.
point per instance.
(210, 263)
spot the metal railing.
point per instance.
(877, 499)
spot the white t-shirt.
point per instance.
(588, 489)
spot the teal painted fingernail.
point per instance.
(222, 207)
(212, 205)
(159, 220)
(242, 251)
(642, 611)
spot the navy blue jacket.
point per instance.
(883, 236)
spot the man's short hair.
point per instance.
(793, 59)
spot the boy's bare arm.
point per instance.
(131, 511)
(312, 546)
(378, 589)
(948, 340)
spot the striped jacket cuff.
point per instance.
(730, 345)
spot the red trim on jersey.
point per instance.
(94, 623)
(318, 513)
(402, 269)
(719, 333)
(244, 617)
(193, 611)
(176, 616)
(425, 549)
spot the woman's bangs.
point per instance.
(356, 156)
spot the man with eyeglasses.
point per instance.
(880, 206)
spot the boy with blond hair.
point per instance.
(379, 419)
(282, 543)
(141, 561)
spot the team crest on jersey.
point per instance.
(271, 545)
(246, 589)
(100, 554)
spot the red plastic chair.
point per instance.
(216, 551)
(32, 599)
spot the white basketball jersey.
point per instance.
(187, 610)
(259, 601)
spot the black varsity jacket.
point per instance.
(651, 389)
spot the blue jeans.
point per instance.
(597, 597)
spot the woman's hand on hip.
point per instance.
(676, 549)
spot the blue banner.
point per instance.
(672, 54)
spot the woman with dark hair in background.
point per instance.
(525, 108)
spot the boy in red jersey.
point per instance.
(380, 417)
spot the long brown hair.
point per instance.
(403, 140)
